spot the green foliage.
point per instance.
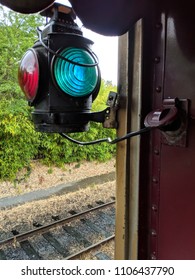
(100, 102)
(19, 141)
(57, 150)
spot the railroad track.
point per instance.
(67, 238)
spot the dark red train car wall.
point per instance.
(171, 190)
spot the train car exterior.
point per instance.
(155, 172)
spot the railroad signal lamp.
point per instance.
(60, 75)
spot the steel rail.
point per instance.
(42, 229)
(93, 246)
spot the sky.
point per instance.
(106, 49)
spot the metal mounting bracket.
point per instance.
(172, 120)
(111, 112)
(178, 136)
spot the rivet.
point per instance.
(153, 232)
(157, 59)
(156, 151)
(154, 208)
(153, 257)
(154, 180)
(158, 89)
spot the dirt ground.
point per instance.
(23, 216)
(42, 177)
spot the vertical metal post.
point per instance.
(128, 152)
(121, 157)
(134, 152)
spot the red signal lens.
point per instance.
(28, 74)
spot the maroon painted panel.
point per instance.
(176, 213)
(177, 202)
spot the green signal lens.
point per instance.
(73, 79)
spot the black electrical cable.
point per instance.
(108, 140)
(63, 58)
(131, 134)
(84, 143)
